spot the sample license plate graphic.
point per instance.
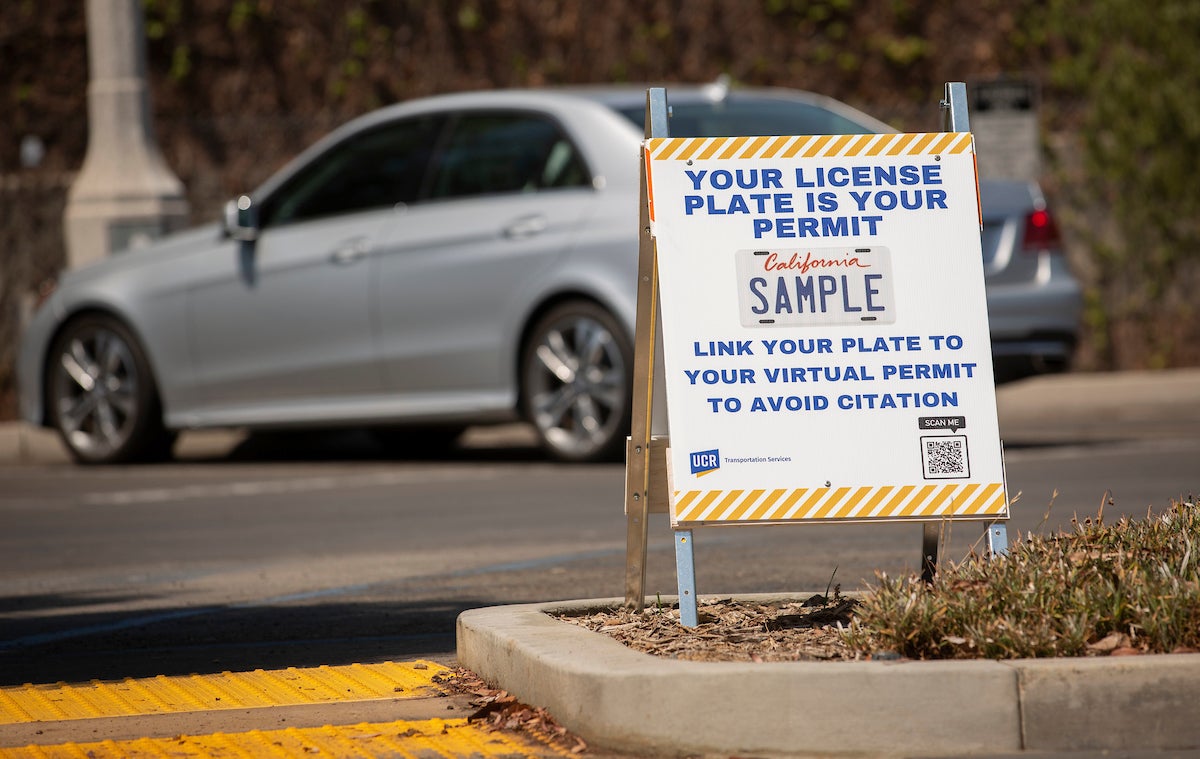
(815, 286)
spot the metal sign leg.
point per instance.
(645, 413)
(997, 539)
(930, 539)
(685, 569)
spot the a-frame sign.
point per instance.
(813, 309)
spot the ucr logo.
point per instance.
(704, 462)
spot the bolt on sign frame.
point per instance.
(833, 297)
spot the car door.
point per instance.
(456, 274)
(284, 331)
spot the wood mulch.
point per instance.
(733, 630)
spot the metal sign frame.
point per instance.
(646, 473)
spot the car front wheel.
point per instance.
(576, 371)
(102, 398)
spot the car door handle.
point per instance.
(350, 251)
(526, 226)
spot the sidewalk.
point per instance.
(1079, 407)
(626, 700)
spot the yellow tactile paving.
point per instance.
(412, 740)
(228, 690)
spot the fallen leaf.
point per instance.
(1109, 643)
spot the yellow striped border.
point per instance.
(929, 501)
(815, 146)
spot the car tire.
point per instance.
(101, 395)
(576, 375)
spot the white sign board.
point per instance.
(826, 344)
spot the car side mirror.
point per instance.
(241, 219)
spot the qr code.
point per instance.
(945, 457)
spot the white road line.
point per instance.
(254, 488)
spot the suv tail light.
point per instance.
(1040, 232)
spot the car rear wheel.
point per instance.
(102, 398)
(576, 371)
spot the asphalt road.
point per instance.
(268, 552)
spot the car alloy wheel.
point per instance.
(576, 374)
(102, 398)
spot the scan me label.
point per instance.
(815, 286)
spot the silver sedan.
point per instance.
(458, 260)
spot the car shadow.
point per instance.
(77, 636)
(1033, 444)
(360, 445)
(114, 645)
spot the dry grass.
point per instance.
(1132, 587)
(1098, 589)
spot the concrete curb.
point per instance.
(625, 700)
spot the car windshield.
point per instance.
(741, 117)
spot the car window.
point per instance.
(742, 117)
(489, 153)
(374, 169)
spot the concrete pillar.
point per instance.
(124, 195)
